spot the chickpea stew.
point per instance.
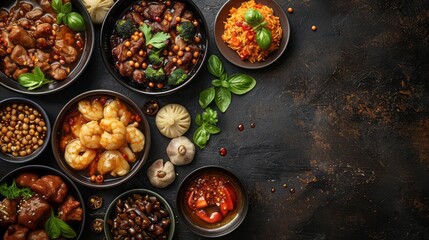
(158, 45)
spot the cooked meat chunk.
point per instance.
(44, 66)
(138, 8)
(69, 53)
(44, 43)
(32, 211)
(34, 14)
(120, 52)
(46, 6)
(125, 69)
(154, 10)
(158, 27)
(70, 210)
(3, 14)
(9, 66)
(188, 15)
(57, 72)
(8, 211)
(16, 232)
(38, 235)
(18, 72)
(26, 179)
(178, 9)
(19, 36)
(47, 18)
(51, 188)
(5, 36)
(134, 17)
(170, 66)
(25, 7)
(136, 45)
(20, 56)
(187, 58)
(138, 76)
(42, 56)
(2, 52)
(43, 30)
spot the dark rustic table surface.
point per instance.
(342, 118)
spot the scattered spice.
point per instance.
(95, 202)
(314, 28)
(273, 190)
(97, 225)
(240, 127)
(292, 190)
(151, 107)
(284, 185)
(252, 125)
(290, 10)
(223, 152)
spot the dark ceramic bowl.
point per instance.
(108, 218)
(119, 9)
(35, 154)
(230, 222)
(231, 55)
(82, 176)
(44, 170)
(75, 72)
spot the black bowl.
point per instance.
(231, 55)
(109, 23)
(35, 154)
(111, 210)
(44, 170)
(232, 220)
(82, 176)
(74, 74)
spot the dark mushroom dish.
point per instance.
(32, 41)
(140, 217)
(38, 207)
(157, 44)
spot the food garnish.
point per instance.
(157, 39)
(263, 35)
(55, 227)
(207, 125)
(13, 191)
(65, 14)
(33, 80)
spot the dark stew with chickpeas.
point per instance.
(32, 37)
(157, 44)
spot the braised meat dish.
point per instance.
(30, 37)
(156, 45)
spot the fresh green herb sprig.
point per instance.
(263, 35)
(238, 84)
(55, 227)
(157, 39)
(13, 191)
(33, 80)
(220, 92)
(207, 125)
(65, 14)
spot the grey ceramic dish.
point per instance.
(35, 154)
(82, 176)
(74, 74)
(231, 55)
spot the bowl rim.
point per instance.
(113, 72)
(34, 168)
(225, 229)
(87, 50)
(40, 150)
(138, 164)
(227, 52)
(112, 204)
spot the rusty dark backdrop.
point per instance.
(342, 117)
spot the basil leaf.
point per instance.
(224, 77)
(75, 21)
(66, 8)
(216, 83)
(253, 17)
(52, 228)
(206, 97)
(212, 129)
(38, 73)
(215, 66)
(263, 38)
(66, 230)
(222, 98)
(209, 116)
(27, 80)
(198, 120)
(241, 83)
(201, 136)
(57, 5)
(60, 18)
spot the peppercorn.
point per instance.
(95, 202)
(97, 225)
(314, 28)
(290, 10)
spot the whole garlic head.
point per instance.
(161, 175)
(97, 9)
(181, 150)
(173, 120)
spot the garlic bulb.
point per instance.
(173, 120)
(97, 9)
(181, 150)
(161, 175)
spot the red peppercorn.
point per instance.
(222, 152)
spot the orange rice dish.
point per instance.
(240, 36)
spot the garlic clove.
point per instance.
(161, 174)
